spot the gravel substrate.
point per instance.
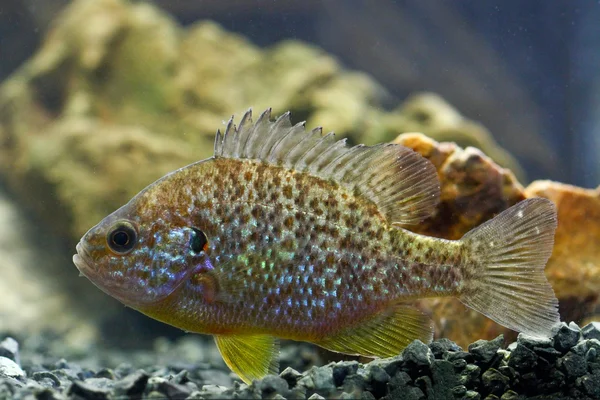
(564, 367)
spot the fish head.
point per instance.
(140, 254)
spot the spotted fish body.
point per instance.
(291, 234)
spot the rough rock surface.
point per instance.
(565, 366)
(574, 269)
(473, 190)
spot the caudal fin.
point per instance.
(505, 280)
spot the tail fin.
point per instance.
(505, 280)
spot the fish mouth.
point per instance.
(80, 259)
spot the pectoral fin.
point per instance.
(250, 356)
(384, 335)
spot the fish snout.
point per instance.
(82, 259)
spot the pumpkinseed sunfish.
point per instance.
(285, 233)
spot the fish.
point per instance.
(289, 233)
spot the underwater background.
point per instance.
(99, 98)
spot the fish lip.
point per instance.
(81, 259)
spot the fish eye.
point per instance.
(199, 241)
(122, 237)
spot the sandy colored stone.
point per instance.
(574, 268)
(473, 187)
(431, 115)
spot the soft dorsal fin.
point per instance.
(402, 183)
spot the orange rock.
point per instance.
(574, 268)
(475, 189)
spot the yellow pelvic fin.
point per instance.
(250, 356)
(384, 335)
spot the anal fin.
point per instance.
(384, 335)
(250, 356)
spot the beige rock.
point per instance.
(574, 268)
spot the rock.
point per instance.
(106, 373)
(473, 190)
(533, 342)
(510, 395)
(583, 347)
(591, 331)
(291, 376)
(440, 346)
(470, 375)
(409, 393)
(174, 390)
(566, 337)
(460, 355)
(417, 354)
(46, 377)
(485, 351)
(426, 386)
(590, 383)
(400, 381)
(494, 382)
(10, 368)
(211, 392)
(215, 377)
(574, 269)
(472, 395)
(522, 359)
(316, 396)
(323, 380)
(379, 380)
(9, 348)
(354, 383)
(87, 391)
(573, 365)
(444, 379)
(342, 369)
(132, 385)
(273, 384)
(434, 117)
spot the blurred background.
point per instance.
(526, 70)
(101, 97)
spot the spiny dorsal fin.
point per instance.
(402, 183)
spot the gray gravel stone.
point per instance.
(10, 368)
(590, 383)
(417, 354)
(441, 346)
(534, 342)
(484, 351)
(566, 337)
(323, 380)
(273, 384)
(83, 390)
(9, 348)
(174, 390)
(132, 385)
(591, 331)
(292, 376)
(574, 365)
(494, 382)
(522, 358)
(342, 369)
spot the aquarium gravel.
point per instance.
(566, 366)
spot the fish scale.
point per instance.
(291, 234)
(325, 241)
